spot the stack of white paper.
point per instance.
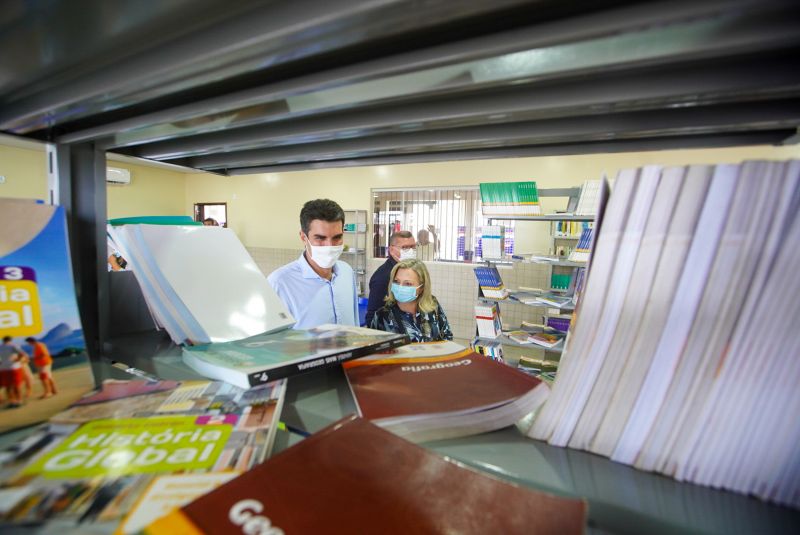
(200, 282)
(666, 368)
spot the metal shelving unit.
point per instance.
(355, 240)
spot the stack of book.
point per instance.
(127, 454)
(487, 317)
(581, 251)
(488, 348)
(493, 241)
(548, 340)
(500, 199)
(542, 368)
(589, 198)
(425, 392)
(569, 229)
(490, 282)
(664, 369)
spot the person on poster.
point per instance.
(411, 308)
(318, 288)
(402, 246)
(44, 364)
(11, 374)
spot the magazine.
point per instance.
(43, 361)
(86, 469)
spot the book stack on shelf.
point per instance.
(581, 251)
(239, 331)
(361, 478)
(487, 317)
(589, 198)
(488, 348)
(664, 369)
(569, 229)
(127, 454)
(490, 283)
(499, 199)
(493, 239)
(561, 281)
(542, 368)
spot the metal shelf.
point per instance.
(549, 217)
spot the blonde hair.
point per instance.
(426, 302)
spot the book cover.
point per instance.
(447, 396)
(86, 470)
(353, 477)
(267, 357)
(43, 361)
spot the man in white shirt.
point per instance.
(318, 288)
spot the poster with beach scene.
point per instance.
(44, 366)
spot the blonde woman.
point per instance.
(410, 307)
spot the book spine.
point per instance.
(283, 372)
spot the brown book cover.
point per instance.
(354, 477)
(431, 398)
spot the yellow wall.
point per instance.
(152, 191)
(25, 171)
(263, 209)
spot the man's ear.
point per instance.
(301, 235)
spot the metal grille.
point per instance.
(446, 222)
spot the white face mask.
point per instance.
(326, 255)
(408, 254)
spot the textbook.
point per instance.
(98, 466)
(266, 357)
(354, 477)
(43, 364)
(432, 398)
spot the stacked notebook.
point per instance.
(581, 251)
(665, 369)
(509, 199)
(490, 282)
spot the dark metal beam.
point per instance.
(771, 137)
(690, 85)
(81, 171)
(682, 120)
(733, 35)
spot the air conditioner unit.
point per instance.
(115, 175)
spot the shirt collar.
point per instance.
(309, 273)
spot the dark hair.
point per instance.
(7, 339)
(400, 234)
(323, 209)
(30, 339)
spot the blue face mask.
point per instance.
(404, 294)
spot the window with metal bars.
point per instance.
(446, 222)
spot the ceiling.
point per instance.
(241, 87)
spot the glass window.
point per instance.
(446, 222)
